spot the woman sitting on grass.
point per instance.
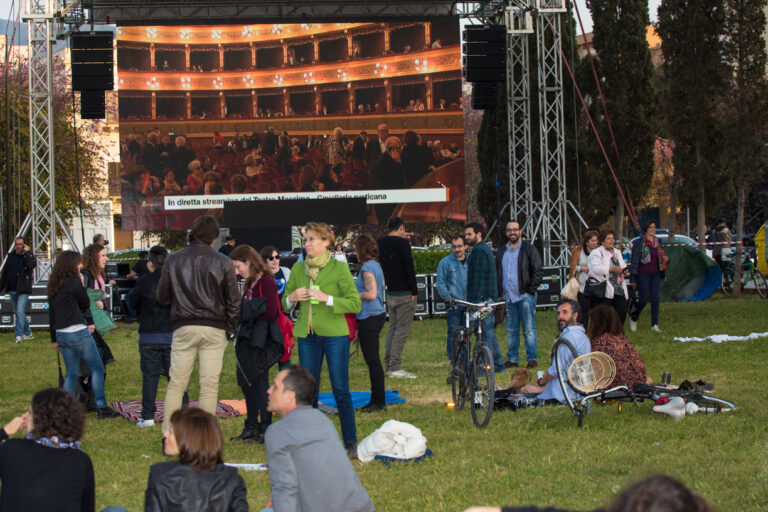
(606, 334)
(199, 480)
(47, 470)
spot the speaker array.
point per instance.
(92, 70)
(484, 61)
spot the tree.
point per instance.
(626, 74)
(91, 152)
(694, 74)
(746, 107)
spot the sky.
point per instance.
(5, 9)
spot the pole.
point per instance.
(496, 178)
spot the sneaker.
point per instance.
(632, 325)
(29, 336)
(401, 374)
(351, 450)
(655, 328)
(145, 423)
(18, 339)
(511, 364)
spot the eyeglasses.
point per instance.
(272, 258)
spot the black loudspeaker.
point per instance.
(92, 61)
(484, 95)
(92, 105)
(485, 53)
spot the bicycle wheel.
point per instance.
(727, 283)
(459, 368)
(760, 285)
(482, 388)
(707, 404)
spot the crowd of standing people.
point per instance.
(189, 306)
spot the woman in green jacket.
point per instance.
(326, 290)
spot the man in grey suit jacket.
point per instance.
(308, 466)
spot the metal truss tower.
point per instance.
(543, 214)
(42, 219)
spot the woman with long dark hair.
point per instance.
(372, 315)
(199, 480)
(71, 325)
(648, 264)
(254, 359)
(95, 278)
(606, 334)
(271, 256)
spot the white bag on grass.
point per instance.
(394, 439)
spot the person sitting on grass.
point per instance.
(199, 480)
(659, 493)
(607, 335)
(547, 387)
(47, 470)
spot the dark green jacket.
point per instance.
(481, 274)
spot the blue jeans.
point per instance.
(455, 318)
(336, 351)
(648, 284)
(19, 304)
(489, 338)
(521, 312)
(80, 345)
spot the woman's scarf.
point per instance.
(313, 266)
(646, 257)
(53, 442)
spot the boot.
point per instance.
(249, 432)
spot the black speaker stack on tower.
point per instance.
(484, 62)
(92, 70)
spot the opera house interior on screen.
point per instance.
(237, 112)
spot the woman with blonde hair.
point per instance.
(254, 354)
(326, 290)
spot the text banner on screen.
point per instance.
(422, 195)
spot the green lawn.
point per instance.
(526, 457)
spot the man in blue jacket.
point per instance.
(452, 284)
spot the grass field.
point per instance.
(526, 457)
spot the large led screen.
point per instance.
(210, 114)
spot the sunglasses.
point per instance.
(272, 258)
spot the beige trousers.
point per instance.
(189, 342)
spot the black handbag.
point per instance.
(595, 290)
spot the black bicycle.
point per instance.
(474, 378)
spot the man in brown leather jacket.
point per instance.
(200, 285)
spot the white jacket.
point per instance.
(599, 263)
(394, 439)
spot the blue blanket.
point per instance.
(361, 398)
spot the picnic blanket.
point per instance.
(131, 410)
(720, 338)
(327, 403)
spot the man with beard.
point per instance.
(548, 386)
(482, 285)
(520, 272)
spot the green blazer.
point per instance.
(335, 280)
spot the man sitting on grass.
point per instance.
(547, 387)
(308, 465)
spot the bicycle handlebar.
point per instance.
(477, 306)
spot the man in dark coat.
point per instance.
(179, 160)
(388, 175)
(16, 279)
